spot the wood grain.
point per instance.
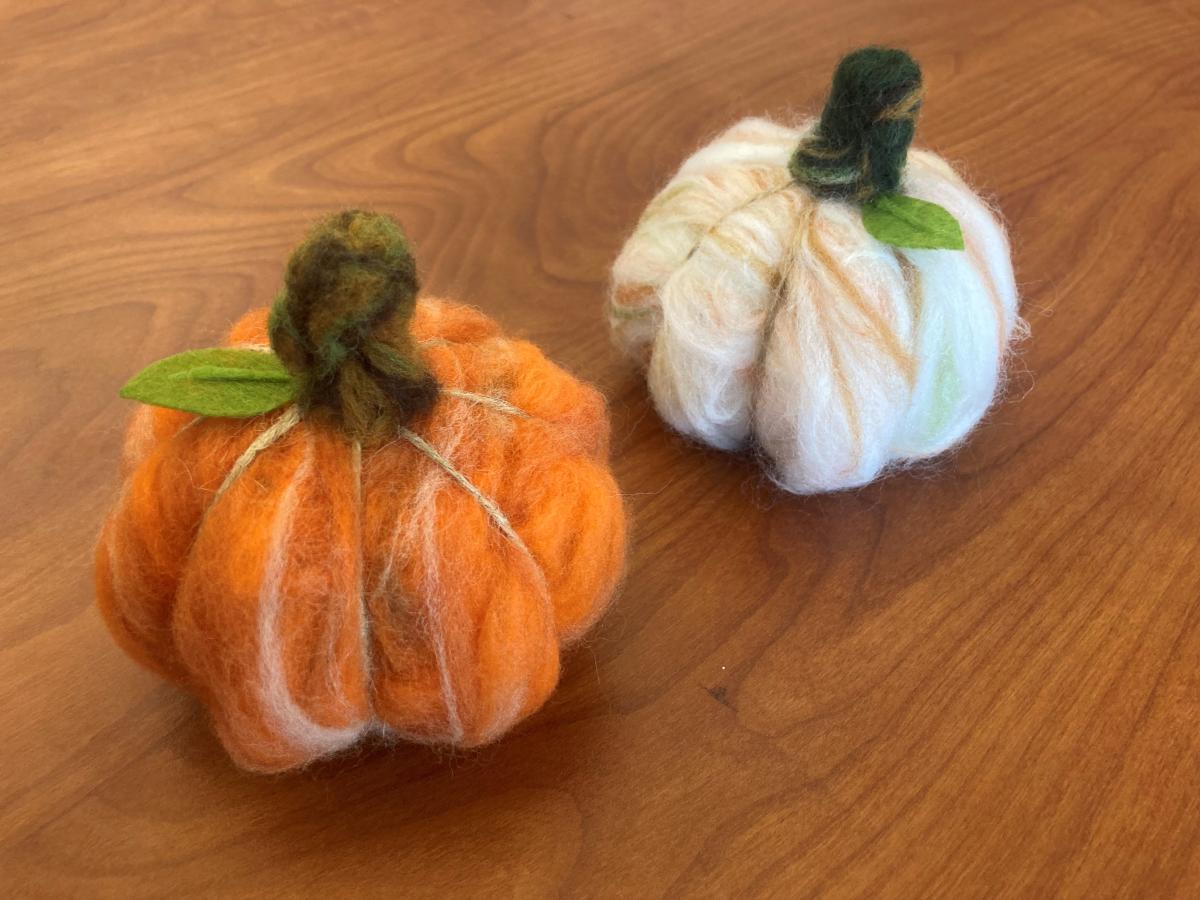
(978, 679)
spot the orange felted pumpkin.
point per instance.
(388, 525)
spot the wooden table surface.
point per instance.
(976, 679)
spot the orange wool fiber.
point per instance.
(418, 587)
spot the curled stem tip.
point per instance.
(858, 149)
(340, 325)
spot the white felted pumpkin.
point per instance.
(789, 291)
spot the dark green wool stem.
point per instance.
(858, 149)
(340, 326)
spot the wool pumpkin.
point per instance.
(821, 294)
(369, 514)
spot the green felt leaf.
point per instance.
(219, 381)
(904, 221)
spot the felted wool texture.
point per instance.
(859, 146)
(769, 318)
(334, 590)
(341, 325)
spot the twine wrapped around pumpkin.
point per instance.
(822, 295)
(388, 525)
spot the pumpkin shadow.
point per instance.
(381, 790)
